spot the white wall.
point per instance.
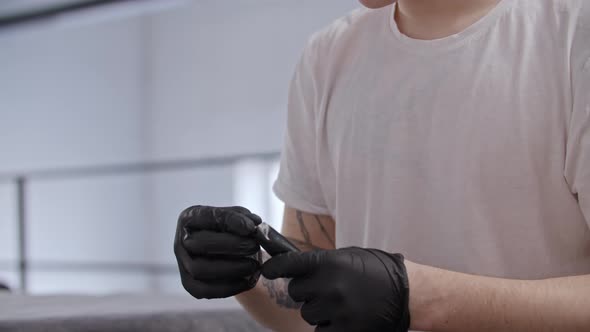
(71, 96)
(206, 78)
(220, 73)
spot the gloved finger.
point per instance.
(180, 253)
(257, 220)
(236, 222)
(215, 289)
(238, 209)
(227, 266)
(203, 268)
(292, 264)
(328, 328)
(217, 219)
(302, 289)
(222, 244)
(314, 312)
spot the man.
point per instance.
(454, 132)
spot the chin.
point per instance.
(376, 3)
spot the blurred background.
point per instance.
(116, 115)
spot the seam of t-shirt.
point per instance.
(295, 199)
(427, 48)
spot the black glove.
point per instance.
(216, 252)
(350, 289)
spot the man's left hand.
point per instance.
(350, 289)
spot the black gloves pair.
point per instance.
(350, 289)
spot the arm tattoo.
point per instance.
(277, 290)
(306, 244)
(324, 231)
(302, 227)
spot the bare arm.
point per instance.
(269, 302)
(448, 301)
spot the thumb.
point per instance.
(292, 264)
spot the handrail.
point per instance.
(135, 167)
(21, 180)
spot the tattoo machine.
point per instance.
(272, 241)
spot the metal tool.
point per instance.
(272, 241)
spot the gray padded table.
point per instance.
(118, 313)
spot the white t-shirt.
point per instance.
(469, 153)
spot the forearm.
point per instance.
(447, 301)
(276, 313)
(269, 303)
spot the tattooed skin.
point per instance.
(306, 244)
(278, 290)
(324, 231)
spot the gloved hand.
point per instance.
(216, 252)
(350, 289)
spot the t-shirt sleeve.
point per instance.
(298, 183)
(578, 146)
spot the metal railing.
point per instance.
(22, 180)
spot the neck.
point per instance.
(433, 19)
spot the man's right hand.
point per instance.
(216, 251)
